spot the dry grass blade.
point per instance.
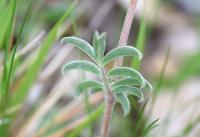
(55, 64)
(71, 110)
(32, 125)
(32, 45)
(100, 16)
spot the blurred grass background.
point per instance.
(37, 101)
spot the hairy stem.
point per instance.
(126, 28)
(109, 105)
(127, 23)
(109, 98)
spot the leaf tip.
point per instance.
(149, 86)
(140, 56)
(143, 82)
(126, 112)
(96, 33)
(63, 70)
(63, 40)
(141, 100)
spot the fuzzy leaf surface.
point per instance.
(127, 82)
(127, 72)
(81, 87)
(122, 51)
(99, 43)
(148, 86)
(124, 102)
(81, 44)
(130, 91)
(81, 65)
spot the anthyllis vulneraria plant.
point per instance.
(117, 83)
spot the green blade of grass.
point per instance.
(7, 24)
(143, 33)
(75, 128)
(186, 70)
(189, 128)
(27, 16)
(2, 4)
(140, 120)
(163, 70)
(140, 44)
(150, 127)
(36, 66)
(91, 117)
(6, 21)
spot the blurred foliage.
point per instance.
(20, 22)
